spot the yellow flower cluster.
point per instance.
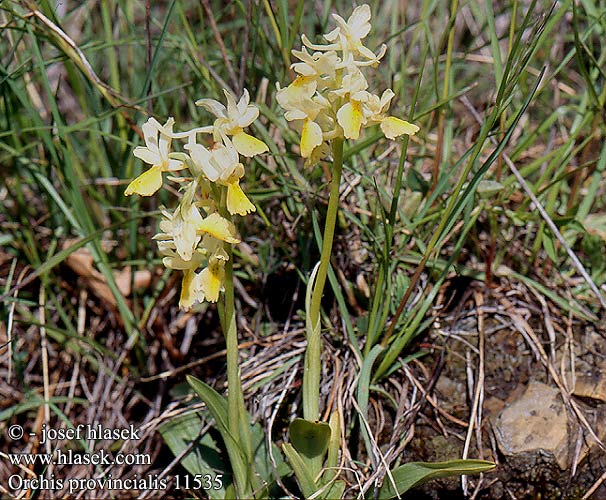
(329, 98)
(194, 235)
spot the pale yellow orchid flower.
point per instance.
(232, 120)
(156, 153)
(297, 99)
(219, 228)
(213, 247)
(205, 285)
(347, 37)
(184, 229)
(319, 65)
(190, 292)
(172, 259)
(180, 227)
(300, 103)
(375, 110)
(350, 115)
(221, 164)
(217, 163)
(209, 282)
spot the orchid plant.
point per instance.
(197, 237)
(188, 240)
(328, 103)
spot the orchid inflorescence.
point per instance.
(328, 100)
(329, 97)
(191, 239)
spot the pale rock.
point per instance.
(591, 386)
(536, 422)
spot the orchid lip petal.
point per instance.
(394, 127)
(147, 183)
(248, 146)
(311, 137)
(237, 201)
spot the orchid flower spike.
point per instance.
(330, 97)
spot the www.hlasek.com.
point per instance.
(71, 457)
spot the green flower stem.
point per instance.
(237, 421)
(231, 340)
(234, 394)
(311, 375)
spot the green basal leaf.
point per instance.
(412, 474)
(204, 458)
(263, 465)
(230, 493)
(304, 477)
(335, 441)
(217, 406)
(310, 439)
(332, 491)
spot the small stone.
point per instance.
(536, 422)
(591, 386)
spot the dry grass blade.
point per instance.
(475, 417)
(77, 56)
